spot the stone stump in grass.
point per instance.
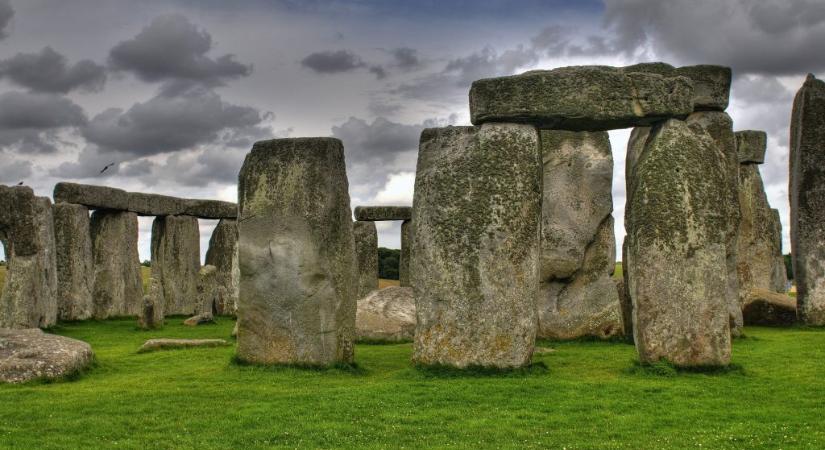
(475, 255)
(366, 250)
(151, 315)
(297, 254)
(176, 262)
(117, 288)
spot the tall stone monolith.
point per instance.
(176, 262)
(475, 257)
(404, 258)
(75, 268)
(297, 254)
(366, 251)
(807, 197)
(223, 254)
(577, 296)
(677, 231)
(117, 288)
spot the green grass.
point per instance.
(583, 395)
(617, 273)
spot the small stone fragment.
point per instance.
(173, 344)
(200, 319)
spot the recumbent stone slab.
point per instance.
(31, 354)
(297, 254)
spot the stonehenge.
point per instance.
(75, 273)
(117, 289)
(176, 262)
(807, 198)
(366, 253)
(223, 254)
(386, 213)
(296, 249)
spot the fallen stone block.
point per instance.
(153, 345)
(763, 307)
(31, 354)
(386, 315)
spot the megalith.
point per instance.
(223, 254)
(176, 262)
(208, 295)
(475, 249)
(151, 313)
(406, 249)
(117, 289)
(75, 268)
(677, 231)
(577, 296)
(366, 252)
(297, 254)
(807, 198)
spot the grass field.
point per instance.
(582, 395)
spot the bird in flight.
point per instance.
(20, 183)
(107, 166)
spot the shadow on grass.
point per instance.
(381, 342)
(666, 369)
(536, 368)
(344, 368)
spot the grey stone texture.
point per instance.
(768, 308)
(779, 279)
(382, 213)
(117, 288)
(151, 315)
(807, 198)
(719, 126)
(404, 257)
(75, 264)
(577, 297)
(366, 252)
(200, 319)
(297, 254)
(176, 262)
(677, 229)
(711, 84)
(475, 258)
(91, 196)
(17, 217)
(207, 287)
(582, 98)
(153, 345)
(30, 354)
(386, 315)
(223, 254)
(751, 146)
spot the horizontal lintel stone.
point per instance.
(381, 213)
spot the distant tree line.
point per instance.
(788, 266)
(388, 263)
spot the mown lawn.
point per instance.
(583, 395)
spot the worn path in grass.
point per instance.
(590, 395)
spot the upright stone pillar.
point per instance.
(577, 296)
(117, 289)
(677, 230)
(807, 196)
(406, 248)
(779, 280)
(176, 262)
(223, 254)
(366, 251)
(75, 268)
(475, 258)
(297, 254)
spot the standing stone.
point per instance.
(117, 288)
(406, 248)
(577, 297)
(719, 126)
(807, 195)
(677, 230)
(366, 252)
(208, 289)
(151, 315)
(297, 254)
(779, 280)
(475, 258)
(75, 269)
(223, 254)
(176, 262)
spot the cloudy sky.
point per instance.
(174, 92)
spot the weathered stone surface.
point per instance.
(807, 196)
(760, 237)
(117, 289)
(75, 269)
(404, 257)
(29, 296)
(151, 314)
(719, 126)
(711, 84)
(297, 254)
(17, 215)
(386, 315)
(584, 98)
(209, 209)
(366, 253)
(207, 287)
(763, 307)
(153, 345)
(154, 204)
(223, 254)
(176, 262)
(779, 280)
(751, 146)
(626, 305)
(199, 319)
(94, 197)
(475, 256)
(676, 248)
(382, 213)
(577, 297)
(31, 354)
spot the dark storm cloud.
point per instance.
(13, 172)
(49, 71)
(405, 58)
(330, 62)
(166, 124)
(30, 122)
(6, 14)
(173, 49)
